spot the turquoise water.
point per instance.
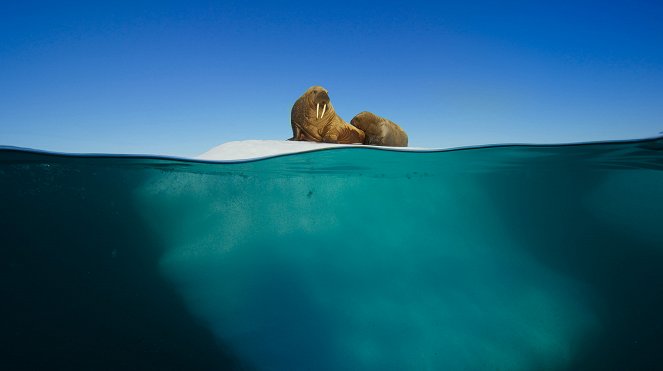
(503, 258)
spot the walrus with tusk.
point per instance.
(314, 119)
(379, 131)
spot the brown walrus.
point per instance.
(314, 119)
(380, 131)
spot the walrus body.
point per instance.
(379, 131)
(314, 119)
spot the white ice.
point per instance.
(252, 149)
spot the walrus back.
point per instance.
(296, 115)
(395, 136)
(298, 120)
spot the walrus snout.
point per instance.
(322, 98)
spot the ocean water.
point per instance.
(500, 258)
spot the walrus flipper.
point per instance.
(330, 136)
(296, 132)
(350, 135)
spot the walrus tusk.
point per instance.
(323, 110)
(317, 108)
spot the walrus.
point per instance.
(314, 119)
(379, 131)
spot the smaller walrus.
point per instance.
(380, 131)
(314, 119)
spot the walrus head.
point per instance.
(318, 101)
(364, 121)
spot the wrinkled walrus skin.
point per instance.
(314, 119)
(380, 131)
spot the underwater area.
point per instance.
(516, 257)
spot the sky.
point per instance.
(179, 77)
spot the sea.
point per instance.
(503, 257)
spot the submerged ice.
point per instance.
(509, 258)
(387, 266)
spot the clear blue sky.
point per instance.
(178, 77)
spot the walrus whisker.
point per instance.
(323, 110)
(317, 108)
